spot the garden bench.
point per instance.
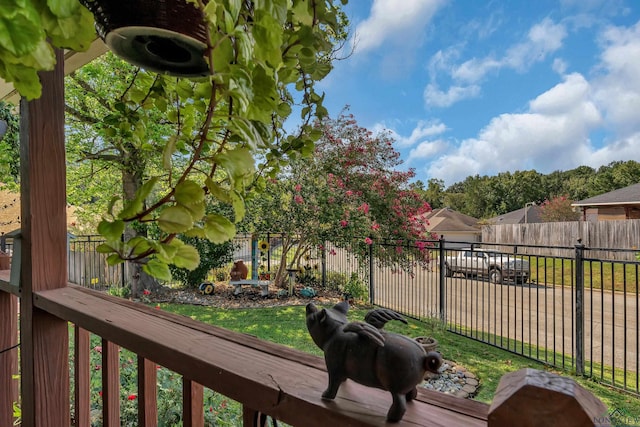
(263, 284)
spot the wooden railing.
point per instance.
(266, 378)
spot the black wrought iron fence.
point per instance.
(573, 311)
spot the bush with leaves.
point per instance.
(212, 256)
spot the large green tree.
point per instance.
(264, 57)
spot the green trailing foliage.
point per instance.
(219, 136)
(29, 30)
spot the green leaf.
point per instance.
(135, 206)
(103, 248)
(239, 165)
(138, 245)
(187, 257)
(111, 230)
(21, 33)
(175, 219)
(239, 207)
(217, 191)
(114, 259)
(189, 193)
(157, 269)
(218, 229)
(63, 8)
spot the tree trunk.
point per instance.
(131, 182)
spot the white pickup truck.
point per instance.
(494, 265)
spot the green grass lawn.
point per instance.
(618, 276)
(286, 326)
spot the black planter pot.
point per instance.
(167, 36)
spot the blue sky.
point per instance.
(483, 87)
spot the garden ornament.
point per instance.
(239, 271)
(366, 354)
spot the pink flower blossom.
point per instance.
(146, 292)
(332, 252)
(132, 397)
(98, 348)
(368, 241)
(375, 226)
(344, 223)
(298, 187)
(349, 193)
(298, 199)
(364, 208)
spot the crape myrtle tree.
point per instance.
(349, 193)
(558, 209)
(264, 57)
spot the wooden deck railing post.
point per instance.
(110, 384)
(82, 389)
(8, 357)
(44, 338)
(147, 393)
(192, 403)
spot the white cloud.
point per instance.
(390, 21)
(427, 150)
(543, 39)
(553, 134)
(475, 69)
(617, 89)
(434, 97)
(423, 130)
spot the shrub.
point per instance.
(211, 256)
(356, 288)
(335, 281)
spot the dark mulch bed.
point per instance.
(250, 297)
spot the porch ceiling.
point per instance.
(72, 61)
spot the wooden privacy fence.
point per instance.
(601, 235)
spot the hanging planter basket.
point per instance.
(166, 36)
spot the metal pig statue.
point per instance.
(363, 352)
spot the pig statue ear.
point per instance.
(342, 307)
(322, 316)
(311, 308)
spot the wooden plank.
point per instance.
(147, 393)
(110, 384)
(192, 403)
(82, 389)
(260, 375)
(5, 286)
(44, 338)
(8, 356)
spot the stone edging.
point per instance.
(452, 379)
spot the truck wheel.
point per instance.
(495, 276)
(448, 271)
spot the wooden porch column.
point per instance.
(9, 356)
(44, 338)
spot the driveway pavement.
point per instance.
(513, 316)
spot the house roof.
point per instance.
(518, 216)
(447, 220)
(624, 196)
